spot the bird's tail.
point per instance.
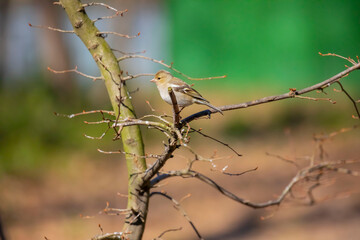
(210, 106)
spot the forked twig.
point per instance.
(76, 71)
(337, 55)
(51, 28)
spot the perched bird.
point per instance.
(184, 93)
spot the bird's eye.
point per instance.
(158, 78)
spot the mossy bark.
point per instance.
(131, 136)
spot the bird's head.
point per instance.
(161, 77)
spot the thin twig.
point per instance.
(51, 28)
(284, 159)
(84, 113)
(336, 55)
(115, 211)
(129, 77)
(169, 230)
(316, 99)
(117, 13)
(75, 71)
(128, 53)
(351, 99)
(100, 4)
(235, 174)
(216, 140)
(179, 208)
(132, 154)
(323, 137)
(103, 34)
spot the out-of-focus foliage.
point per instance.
(30, 132)
(268, 42)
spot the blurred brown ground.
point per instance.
(65, 202)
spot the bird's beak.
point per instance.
(153, 80)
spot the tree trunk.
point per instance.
(138, 198)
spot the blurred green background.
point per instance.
(264, 48)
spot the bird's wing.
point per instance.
(182, 87)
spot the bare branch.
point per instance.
(166, 231)
(115, 211)
(75, 71)
(235, 174)
(316, 99)
(336, 55)
(290, 94)
(51, 28)
(97, 138)
(216, 140)
(128, 53)
(176, 112)
(117, 12)
(323, 137)
(291, 161)
(301, 174)
(132, 154)
(98, 59)
(104, 34)
(180, 209)
(136, 76)
(101, 4)
(160, 162)
(85, 113)
(351, 99)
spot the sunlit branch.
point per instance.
(301, 174)
(132, 154)
(291, 94)
(352, 61)
(84, 113)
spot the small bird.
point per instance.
(184, 93)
